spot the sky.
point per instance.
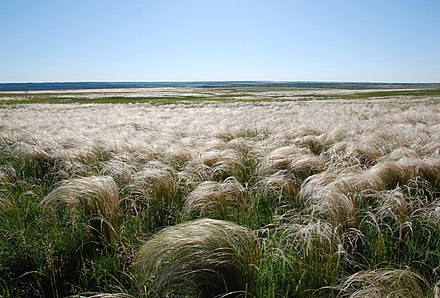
(219, 40)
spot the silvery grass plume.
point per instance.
(95, 198)
(200, 258)
(120, 168)
(228, 165)
(315, 143)
(32, 160)
(384, 175)
(303, 254)
(152, 192)
(389, 174)
(177, 157)
(283, 170)
(280, 184)
(212, 166)
(397, 204)
(281, 159)
(352, 153)
(407, 217)
(427, 168)
(332, 194)
(384, 283)
(212, 199)
(193, 173)
(259, 133)
(314, 239)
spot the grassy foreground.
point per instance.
(275, 199)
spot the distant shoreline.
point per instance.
(211, 84)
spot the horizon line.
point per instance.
(224, 81)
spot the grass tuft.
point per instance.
(214, 199)
(201, 258)
(95, 198)
(383, 283)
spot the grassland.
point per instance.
(161, 96)
(222, 192)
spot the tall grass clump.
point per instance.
(401, 227)
(201, 258)
(214, 199)
(94, 198)
(280, 185)
(384, 283)
(301, 255)
(152, 195)
(214, 166)
(31, 161)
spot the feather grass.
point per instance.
(95, 198)
(153, 195)
(384, 283)
(213, 199)
(280, 184)
(201, 258)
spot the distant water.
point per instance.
(206, 84)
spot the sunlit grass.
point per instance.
(279, 198)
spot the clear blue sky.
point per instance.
(193, 40)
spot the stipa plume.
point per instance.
(212, 167)
(155, 181)
(213, 199)
(314, 143)
(94, 156)
(399, 205)
(223, 164)
(280, 184)
(308, 250)
(94, 198)
(312, 238)
(404, 221)
(201, 258)
(332, 194)
(120, 169)
(365, 153)
(259, 133)
(193, 173)
(31, 160)
(281, 159)
(428, 169)
(154, 186)
(384, 175)
(388, 174)
(228, 165)
(402, 152)
(177, 157)
(384, 283)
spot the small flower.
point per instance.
(121, 249)
(170, 219)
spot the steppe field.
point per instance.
(220, 192)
